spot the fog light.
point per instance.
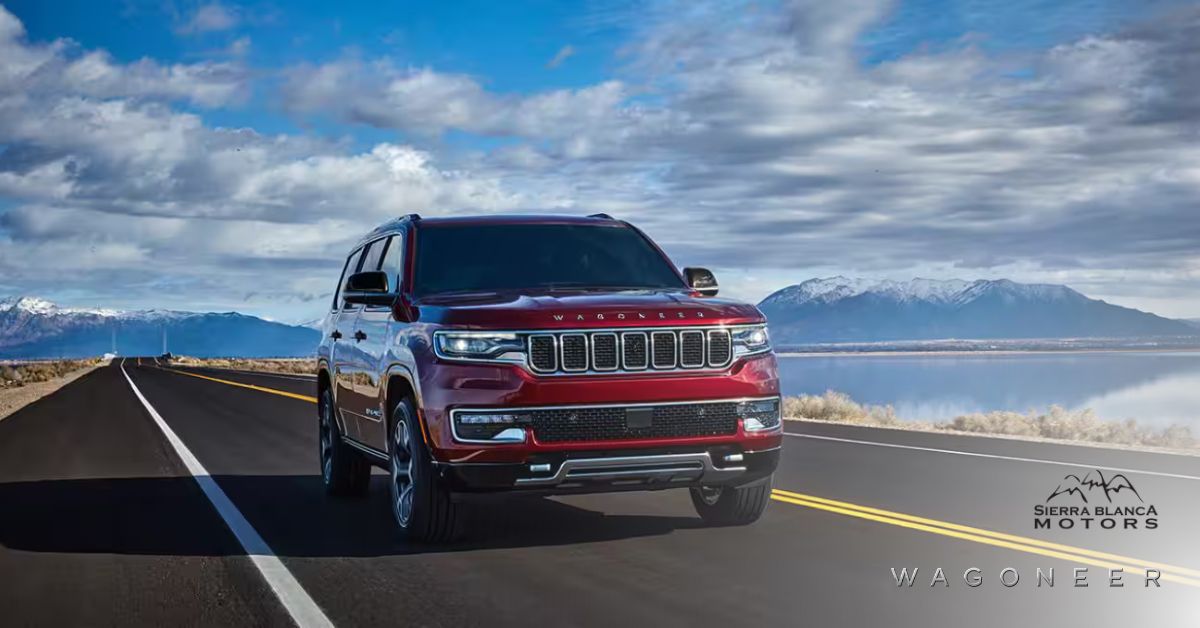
(487, 419)
(492, 427)
(760, 415)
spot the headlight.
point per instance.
(750, 340)
(479, 346)
(760, 415)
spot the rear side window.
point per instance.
(393, 262)
(350, 268)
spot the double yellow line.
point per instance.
(1172, 573)
(273, 391)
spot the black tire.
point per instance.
(421, 505)
(732, 505)
(343, 470)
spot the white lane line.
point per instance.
(303, 610)
(956, 452)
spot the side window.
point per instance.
(350, 269)
(374, 251)
(393, 261)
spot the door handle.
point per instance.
(336, 334)
(359, 335)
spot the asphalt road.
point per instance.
(101, 524)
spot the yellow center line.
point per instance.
(987, 537)
(979, 531)
(933, 526)
(273, 391)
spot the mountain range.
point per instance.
(817, 311)
(35, 328)
(841, 309)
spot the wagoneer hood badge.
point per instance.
(625, 316)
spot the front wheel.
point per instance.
(420, 504)
(732, 505)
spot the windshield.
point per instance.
(469, 258)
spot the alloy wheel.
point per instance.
(326, 438)
(402, 468)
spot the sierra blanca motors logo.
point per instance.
(1095, 500)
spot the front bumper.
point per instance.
(591, 472)
(447, 388)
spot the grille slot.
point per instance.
(543, 356)
(691, 349)
(604, 352)
(662, 349)
(635, 354)
(574, 352)
(608, 423)
(720, 347)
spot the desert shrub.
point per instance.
(839, 408)
(1057, 422)
(31, 372)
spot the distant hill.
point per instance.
(35, 328)
(840, 309)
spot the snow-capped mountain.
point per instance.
(841, 309)
(32, 327)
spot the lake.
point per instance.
(1156, 388)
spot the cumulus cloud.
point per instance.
(759, 138)
(114, 193)
(749, 137)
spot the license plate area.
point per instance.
(639, 418)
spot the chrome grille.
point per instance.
(614, 350)
(720, 347)
(691, 349)
(662, 349)
(543, 353)
(634, 356)
(574, 352)
(604, 352)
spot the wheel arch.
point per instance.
(401, 384)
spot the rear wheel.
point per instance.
(421, 505)
(732, 505)
(343, 470)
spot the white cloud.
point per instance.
(560, 57)
(210, 17)
(751, 140)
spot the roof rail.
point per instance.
(412, 217)
(600, 215)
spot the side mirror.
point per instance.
(701, 280)
(368, 288)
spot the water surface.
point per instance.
(1156, 388)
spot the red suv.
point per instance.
(541, 354)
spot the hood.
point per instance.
(569, 310)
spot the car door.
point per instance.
(358, 372)
(372, 331)
(342, 352)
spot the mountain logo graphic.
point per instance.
(1092, 485)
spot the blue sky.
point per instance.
(165, 154)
